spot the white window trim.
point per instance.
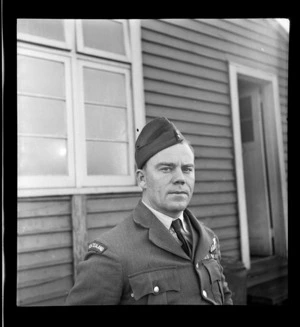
(49, 42)
(54, 181)
(137, 76)
(102, 53)
(235, 70)
(138, 113)
(105, 180)
(75, 191)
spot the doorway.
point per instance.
(259, 163)
(256, 175)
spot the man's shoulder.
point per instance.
(124, 225)
(116, 236)
(207, 229)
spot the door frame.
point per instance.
(270, 83)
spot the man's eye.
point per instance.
(188, 170)
(166, 169)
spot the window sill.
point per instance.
(83, 190)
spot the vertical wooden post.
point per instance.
(79, 229)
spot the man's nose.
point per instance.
(178, 176)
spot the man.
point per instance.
(161, 254)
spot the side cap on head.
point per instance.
(157, 135)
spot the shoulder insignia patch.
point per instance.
(97, 247)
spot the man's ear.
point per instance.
(141, 178)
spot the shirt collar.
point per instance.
(164, 219)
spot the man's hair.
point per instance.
(189, 144)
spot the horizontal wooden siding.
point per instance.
(45, 259)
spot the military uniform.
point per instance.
(140, 262)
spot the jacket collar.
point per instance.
(142, 215)
(158, 233)
(161, 237)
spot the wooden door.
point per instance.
(255, 172)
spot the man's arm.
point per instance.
(226, 291)
(99, 280)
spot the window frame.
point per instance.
(137, 97)
(40, 181)
(104, 180)
(81, 48)
(49, 42)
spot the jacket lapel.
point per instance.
(195, 234)
(202, 240)
(158, 234)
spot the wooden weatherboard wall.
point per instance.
(45, 254)
(186, 79)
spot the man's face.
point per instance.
(168, 179)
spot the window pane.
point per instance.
(41, 76)
(38, 156)
(107, 158)
(104, 87)
(47, 28)
(105, 123)
(41, 116)
(103, 34)
(245, 108)
(247, 131)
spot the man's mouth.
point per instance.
(179, 192)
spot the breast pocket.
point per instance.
(158, 285)
(215, 277)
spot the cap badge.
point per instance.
(178, 136)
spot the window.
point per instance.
(45, 148)
(246, 119)
(106, 98)
(104, 38)
(50, 32)
(76, 108)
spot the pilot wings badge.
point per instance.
(213, 246)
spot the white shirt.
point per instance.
(167, 221)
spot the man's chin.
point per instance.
(178, 206)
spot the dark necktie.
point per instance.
(176, 224)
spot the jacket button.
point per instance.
(197, 265)
(156, 289)
(204, 293)
(132, 295)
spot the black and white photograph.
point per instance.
(152, 161)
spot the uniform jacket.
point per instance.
(140, 262)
